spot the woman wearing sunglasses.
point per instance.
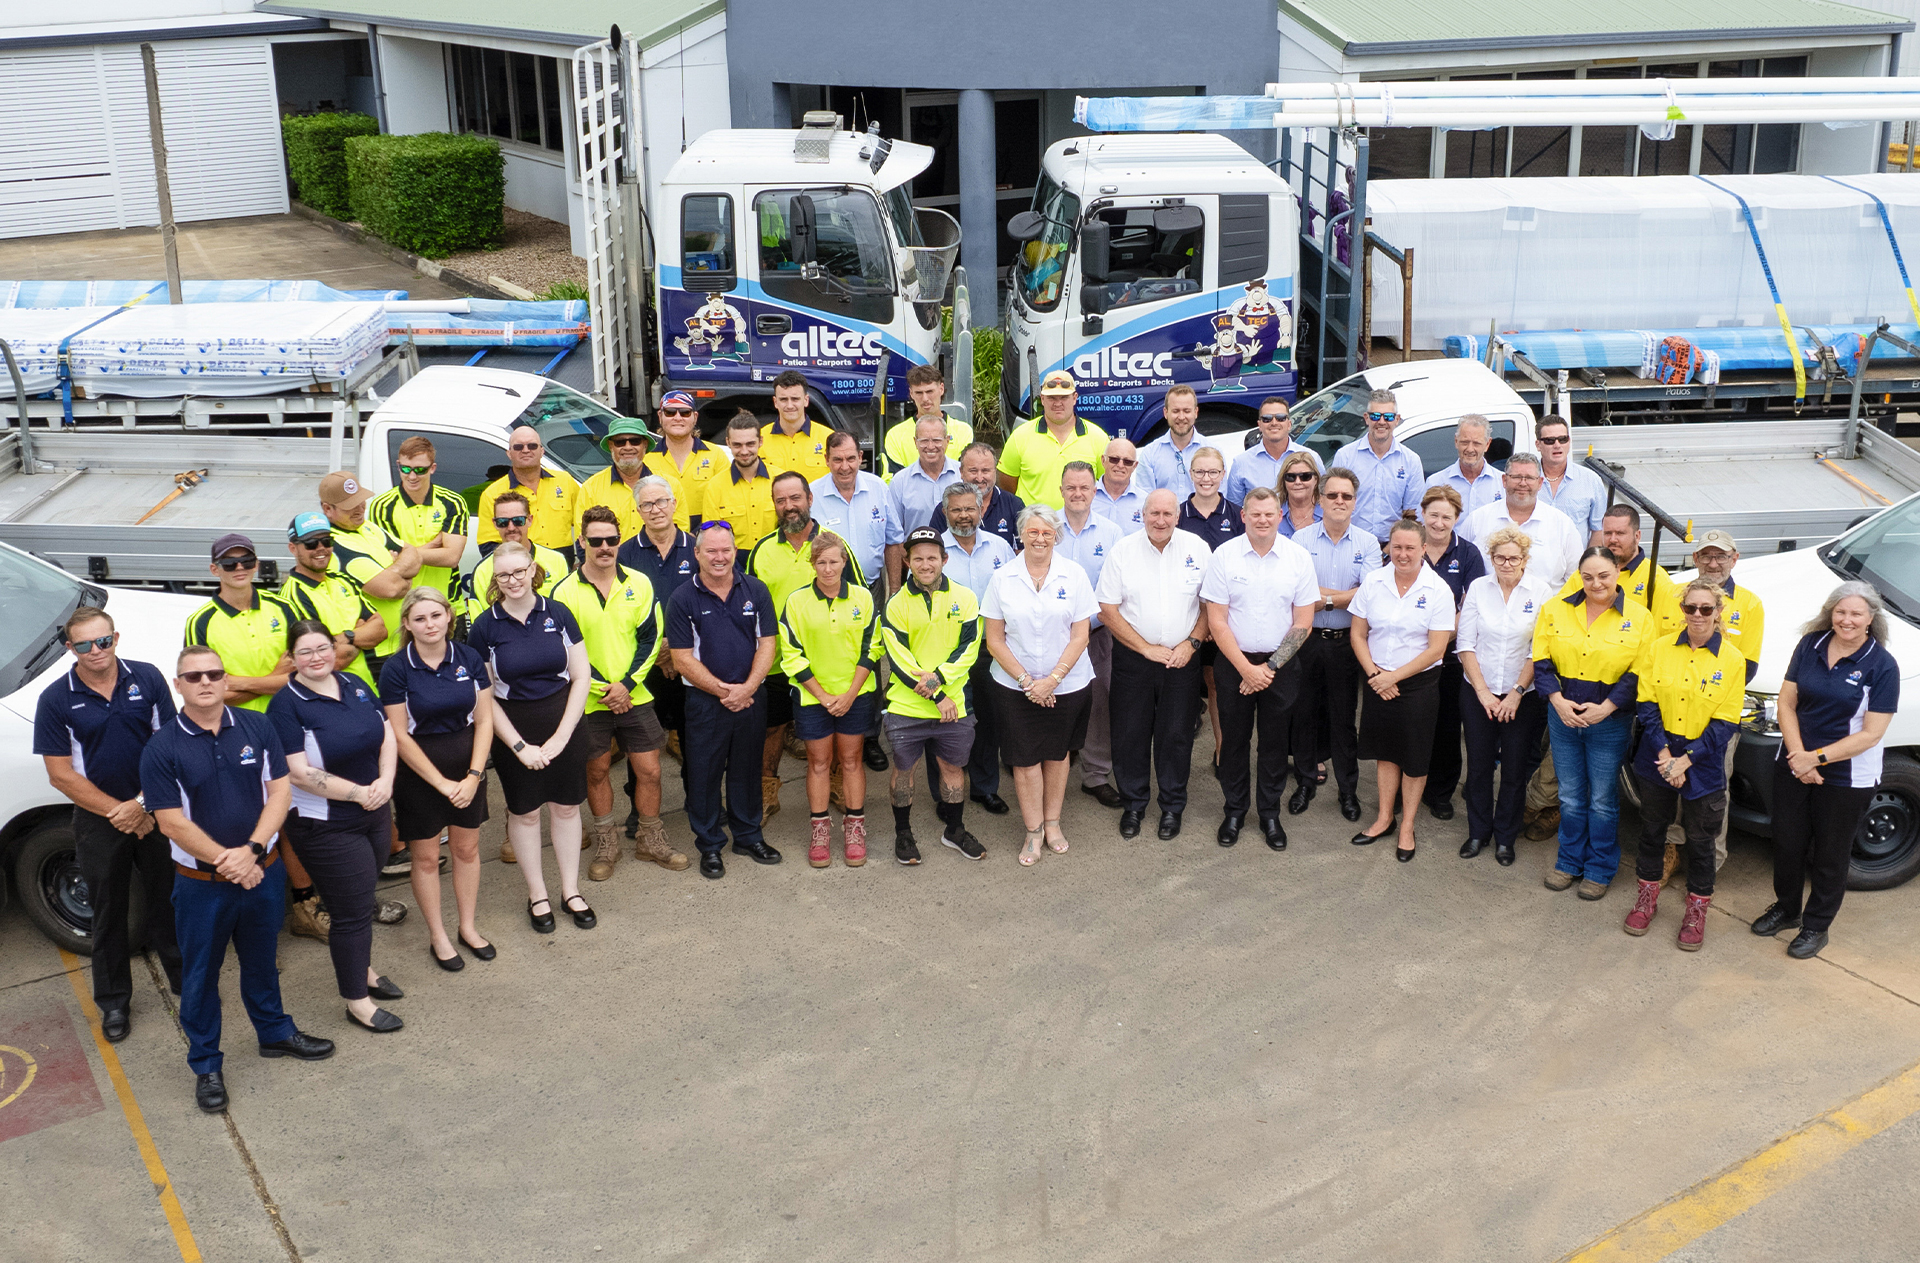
(341, 757)
(1299, 488)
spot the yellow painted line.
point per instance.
(136, 1122)
(1692, 1214)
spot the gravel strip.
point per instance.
(534, 253)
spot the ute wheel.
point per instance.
(47, 874)
(1886, 849)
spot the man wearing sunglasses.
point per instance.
(417, 511)
(1121, 494)
(91, 728)
(1260, 466)
(245, 626)
(683, 458)
(1573, 489)
(1392, 479)
(329, 597)
(549, 495)
(509, 522)
(626, 443)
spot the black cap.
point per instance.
(924, 535)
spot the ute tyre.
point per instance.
(1886, 849)
(47, 876)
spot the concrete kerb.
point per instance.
(426, 267)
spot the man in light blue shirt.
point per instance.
(916, 489)
(1260, 466)
(1470, 476)
(1342, 555)
(1391, 477)
(1121, 494)
(1163, 462)
(1573, 489)
(855, 505)
(1088, 538)
(973, 557)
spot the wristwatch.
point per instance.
(257, 849)
(1197, 643)
(518, 746)
(479, 772)
(1821, 755)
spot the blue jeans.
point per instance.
(1587, 761)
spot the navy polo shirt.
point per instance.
(438, 699)
(528, 661)
(1834, 702)
(723, 635)
(104, 735)
(667, 572)
(1458, 567)
(1216, 527)
(342, 737)
(218, 781)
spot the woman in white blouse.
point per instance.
(1501, 713)
(1038, 615)
(1402, 621)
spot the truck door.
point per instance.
(1253, 329)
(704, 330)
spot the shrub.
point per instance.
(317, 159)
(433, 193)
(988, 345)
(564, 292)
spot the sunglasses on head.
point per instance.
(97, 642)
(415, 471)
(231, 564)
(521, 520)
(1701, 609)
(601, 541)
(524, 447)
(716, 522)
(316, 541)
(204, 677)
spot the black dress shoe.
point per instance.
(1807, 944)
(1106, 795)
(1302, 795)
(1442, 810)
(299, 1044)
(541, 921)
(1130, 823)
(1503, 854)
(1229, 829)
(452, 964)
(875, 757)
(1169, 825)
(758, 852)
(583, 917)
(993, 804)
(382, 988)
(115, 1025)
(483, 952)
(383, 1023)
(1405, 854)
(1772, 921)
(1350, 806)
(210, 1092)
(1368, 839)
(1472, 847)
(712, 866)
(1276, 836)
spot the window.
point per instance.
(1041, 263)
(1436, 451)
(1145, 263)
(515, 97)
(706, 242)
(853, 261)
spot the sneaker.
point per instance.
(307, 920)
(398, 864)
(905, 849)
(1693, 926)
(1557, 880)
(1644, 906)
(820, 842)
(966, 844)
(390, 912)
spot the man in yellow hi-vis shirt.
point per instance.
(794, 441)
(549, 495)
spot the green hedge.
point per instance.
(317, 159)
(433, 193)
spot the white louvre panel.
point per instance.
(56, 152)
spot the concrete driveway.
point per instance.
(1134, 1051)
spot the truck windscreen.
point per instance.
(1040, 265)
(571, 426)
(1885, 552)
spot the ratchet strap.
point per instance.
(1893, 241)
(66, 360)
(1779, 308)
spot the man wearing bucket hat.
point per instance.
(626, 443)
(1034, 455)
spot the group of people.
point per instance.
(1065, 597)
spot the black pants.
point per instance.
(1515, 746)
(1699, 817)
(722, 747)
(983, 764)
(343, 861)
(1813, 828)
(1151, 710)
(1329, 697)
(107, 859)
(670, 708)
(1443, 769)
(1271, 710)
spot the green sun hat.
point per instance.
(626, 425)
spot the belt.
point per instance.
(1331, 633)
(202, 874)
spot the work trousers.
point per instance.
(1589, 762)
(1700, 817)
(1676, 835)
(343, 860)
(1271, 710)
(983, 764)
(1096, 756)
(1443, 768)
(1151, 712)
(723, 748)
(207, 915)
(108, 859)
(1515, 746)
(1813, 828)
(1329, 700)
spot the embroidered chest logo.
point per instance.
(1716, 677)
(247, 755)
(1626, 624)
(1420, 603)
(1854, 677)
(361, 694)
(629, 594)
(1061, 595)
(547, 626)
(459, 673)
(1099, 550)
(133, 692)
(746, 607)
(686, 567)
(1527, 608)
(954, 609)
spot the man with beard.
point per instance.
(626, 443)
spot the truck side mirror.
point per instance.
(1026, 225)
(1095, 299)
(801, 229)
(1096, 242)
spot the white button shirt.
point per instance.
(1260, 593)
(974, 570)
(1040, 620)
(1397, 626)
(1557, 542)
(1497, 630)
(1157, 590)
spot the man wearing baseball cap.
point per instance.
(683, 458)
(330, 597)
(384, 566)
(1034, 454)
(245, 626)
(626, 444)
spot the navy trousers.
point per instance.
(723, 747)
(207, 915)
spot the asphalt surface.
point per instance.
(1135, 1050)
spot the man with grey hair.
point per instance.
(1121, 494)
(1391, 476)
(1470, 476)
(1087, 538)
(973, 557)
(1556, 542)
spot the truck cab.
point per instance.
(1149, 261)
(798, 250)
(1432, 396)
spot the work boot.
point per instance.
(1545, 825)
(1670, 864)
(820, 842)
(1644, 907)
(650, 843)
(606, 852)
(1557, 880)
(673, 746)
(305, 919)
(854, 840)
(794, 746)
(506, 852)
(1693, 925)
(769, 798)
(388, 912)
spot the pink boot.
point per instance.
(1643, 908)
(855, 829)
(1693, 925)
(820, 843)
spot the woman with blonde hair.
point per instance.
(1504, 717)
(1299, 488)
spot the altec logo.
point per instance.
(1114, 362)
(820, 342)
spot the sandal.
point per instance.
(1030, 853)
(1060, 847)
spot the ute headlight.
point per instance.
(1760, 714)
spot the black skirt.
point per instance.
(563, 781)
(420, 811)
(1032, 734)
(1401, 731)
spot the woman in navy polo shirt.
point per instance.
(1841, 691)
(538, 661)
(341, 758)
(1458, 564)
(434, 691)
(1213, 518)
